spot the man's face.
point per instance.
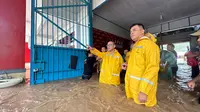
(136, 32)
(169, 48)
(103, 49)
(125, 51)
(110, 46)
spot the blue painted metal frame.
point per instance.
(43, 74)
(90, 22)
(64, 6)
(32, 41)
(84, 1)
(60, 28)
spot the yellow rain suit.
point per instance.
(151, 37)
(111, 66)
(142, 71)
(127, 56)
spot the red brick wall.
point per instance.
(100, 39)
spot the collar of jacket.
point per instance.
(142, 38)
(115, 51)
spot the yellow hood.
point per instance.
(151, 37)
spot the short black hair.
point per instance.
(171, 45)
(139, 24)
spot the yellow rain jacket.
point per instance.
(127, 56)
(142, 71)
(151, 37)
(111, 66)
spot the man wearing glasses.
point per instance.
(111, 64)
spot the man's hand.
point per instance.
(124, 66)
(191, 84)
(142, 97)
(89, 47)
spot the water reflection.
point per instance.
(183, 74)
(75, 95)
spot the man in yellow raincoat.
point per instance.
(111, 65)
(142, 69)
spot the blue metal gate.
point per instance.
(60, 29)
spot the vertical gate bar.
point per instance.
(68, 25)
(58, 39)
(36, 38)
(36, 26)
(86, 22)
(53, 39)
(76, 30)
(79, 15)
(65, 25)
(83, 19)
(42, 38)
(32, 40)
(73, 26)
(82, 22)
(69, 29)
(73, 32)
(85, 28)
(42, 28)
(90, 22)
(63, 38)
(68, 39)
(61, 34)
(47, 40)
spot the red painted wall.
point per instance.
(27, 53)
(12, 34)
(100, 39)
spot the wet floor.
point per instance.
(76, 95)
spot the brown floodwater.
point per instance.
(75, 95)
